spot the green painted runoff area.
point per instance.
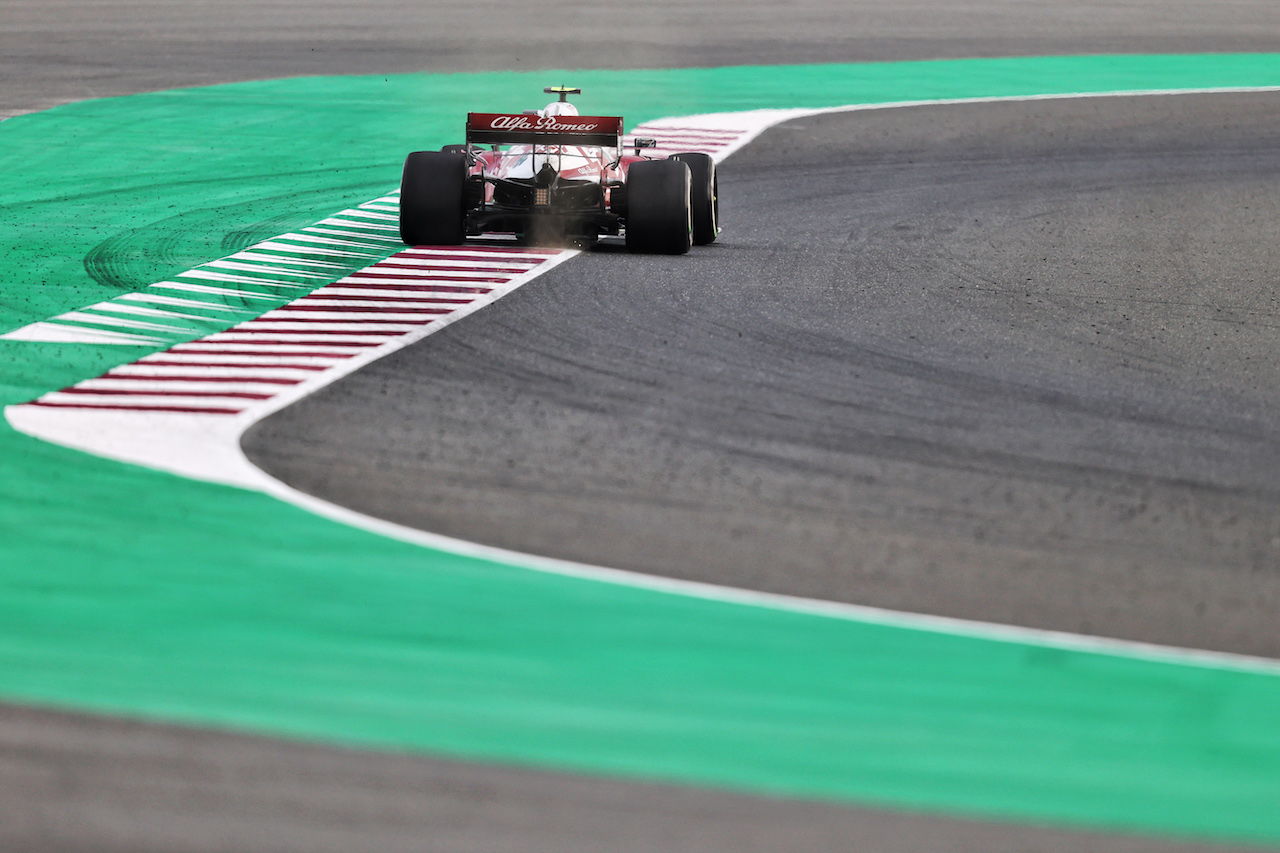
(128, 591)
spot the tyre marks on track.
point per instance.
(253, 362)
(183, 409)
(228, 290)
(247, 334)
(270, 274)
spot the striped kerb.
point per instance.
(246, 328)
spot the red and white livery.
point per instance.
(552, 176)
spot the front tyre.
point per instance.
(658, 211)
(704, 196)
(431, 198)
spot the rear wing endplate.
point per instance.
(509, 129)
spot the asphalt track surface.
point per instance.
(989, 361)
(1109, 473)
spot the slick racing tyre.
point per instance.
(658, 212)
(704, 196)
(431, 198)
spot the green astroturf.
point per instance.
(128, 591)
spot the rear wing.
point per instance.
(507, 129)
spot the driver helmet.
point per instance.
(560, 108)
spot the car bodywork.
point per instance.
(553, 176)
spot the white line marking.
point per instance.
(205, 288)
(814, 607)
(263, 268)
(369, 213)
(216, 358)
(45, 331)
(322, 327)
(370, 226)
(424, 293)
(350, 318)
(282, 259)
(406, 303)
(181, 303)
(227, 372)
(149, 312)
(143, 386)
(143, 401)
(387, 241)
(105, 320)
(253, 337)
(238, 279)
(206, 347)
(473, 261)
(329, 241)
(208, 448)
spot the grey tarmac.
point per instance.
(1105, 466)
(55, 51)
(71, 783)
(1013, 362)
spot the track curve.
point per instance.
(79, 782)
(1010, 362)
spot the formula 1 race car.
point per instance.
(552, 176)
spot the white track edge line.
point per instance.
(972, 629)
(786, 115)
(953, 626)
(355, 362)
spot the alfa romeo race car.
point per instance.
(552, 176)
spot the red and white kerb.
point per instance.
(250, 364)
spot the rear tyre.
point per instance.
(431, 198)
(704, 196)
(658, 212)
